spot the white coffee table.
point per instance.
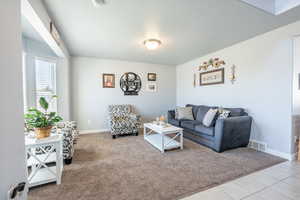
(158, 136)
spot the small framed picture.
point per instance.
(108, 80)
(151, 87)
(151, 76)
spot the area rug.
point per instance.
(128, 168)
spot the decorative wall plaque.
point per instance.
(212, 77)
(130, 83)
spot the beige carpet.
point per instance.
(129, 168)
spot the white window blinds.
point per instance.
(45, 71)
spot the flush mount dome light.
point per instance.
(152, 44)
(98, 3)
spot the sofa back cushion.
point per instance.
(194, 109)
(236, 112)
(202, 110)
(210, 117)
(184, 113)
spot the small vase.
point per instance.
(42, 132)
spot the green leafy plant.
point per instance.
(41, 119)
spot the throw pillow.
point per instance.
(184, 113)
(209, 117)
(223, 114)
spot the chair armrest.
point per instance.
(171, 114)
(232, 132)
(68, 142)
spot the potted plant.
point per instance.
(41, 121)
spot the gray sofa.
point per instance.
(224, 134)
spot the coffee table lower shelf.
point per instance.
(157, 141)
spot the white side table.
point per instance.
(39, 171)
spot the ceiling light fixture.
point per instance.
(98, 3)
(152, 44)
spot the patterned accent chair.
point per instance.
(71, 125)
(69, 130)
(123, 121)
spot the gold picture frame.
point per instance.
(108, 80)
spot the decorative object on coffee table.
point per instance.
(212, 77)
(151, 76)
(41, 121)
(130, 83)
(108, 80)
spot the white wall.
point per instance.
(36, 14)
(296, 89)
(296, 83)
(12, 150)
(63, 88)
(33, 49)
(90, 100)
(263, 87)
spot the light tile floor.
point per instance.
(280, 182)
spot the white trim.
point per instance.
(287, 156)
(83, 132)
(265, 149)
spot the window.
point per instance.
(45, 77)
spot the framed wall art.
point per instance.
(151, 87)
(108, 80)
(151, 76)
(212, 77)
(130, 83)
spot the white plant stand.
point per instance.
(39, 172)
(158, 136)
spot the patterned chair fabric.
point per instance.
(69, 130)
(71, 125)
(122, 120)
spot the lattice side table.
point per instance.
(40, 153)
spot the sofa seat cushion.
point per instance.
(190, 124)
(205, 130)
(177, 122)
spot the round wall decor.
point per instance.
(130, 83)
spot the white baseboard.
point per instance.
(287, 156)
(83, 132)
(263, 147)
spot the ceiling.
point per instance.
(28, 30)
(187, 29)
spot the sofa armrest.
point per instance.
(232, 132)
(171, 114)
